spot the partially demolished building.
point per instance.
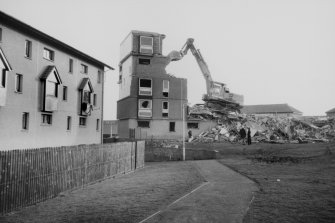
(264, 128)
(150, 101)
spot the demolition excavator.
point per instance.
(218, 95)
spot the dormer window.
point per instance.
(50, 81)
(85, 93)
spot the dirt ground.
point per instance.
(129, 198)
(297, 182)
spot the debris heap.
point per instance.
(271, 129)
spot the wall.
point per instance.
(127, 108)
(39, 135)
(126, 78)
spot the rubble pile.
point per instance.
(271, 129)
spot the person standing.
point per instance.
(249, 136)
(243, 135)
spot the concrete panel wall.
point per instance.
(127, 108)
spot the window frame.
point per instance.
(70, 65)
(95, 99)
(0, 34)
(46, 119)
(99, 79)
(144, 61)
(50, 55)
(25, 121)
(145, 46)
(172, 128)
(18, 83)
(28, 49)
(65, 93)
(165, 110)
(68, 123)
(166, 90)
(145, 89)
(85, 67)
(55, 87)
(192, 123)
(82, 121)
(143, 122)
(97, 125)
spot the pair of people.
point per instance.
(243, 134)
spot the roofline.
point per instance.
(21, 26)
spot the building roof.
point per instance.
(270, 108)
(331, 111)
(23, 27)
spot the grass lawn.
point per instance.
(128, 198)
(297, 182)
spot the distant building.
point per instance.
(150, 101)
(271, 109)
(331, 113)
(110, 128)
(51, 94)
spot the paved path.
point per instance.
(224, 198)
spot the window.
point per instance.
(51, 88)
(146, 45)
(68, 123)
(144, 108)
(18, 83)
(98, 125)
(25, 120)
(84, 69)
(3, 78)
(0, 34)
(64, 93)
(192, 125)
(82, 121)
(145, 86)
(165, 109)
(95, 99)
(48, 54)
(144, 61)
(172, 126)
(46, 119)
(99, 76)
(28, 49)
(166, 87)
(143, 124)
(70, 65)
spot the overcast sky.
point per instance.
(270, 51)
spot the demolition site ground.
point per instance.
(296, 184)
